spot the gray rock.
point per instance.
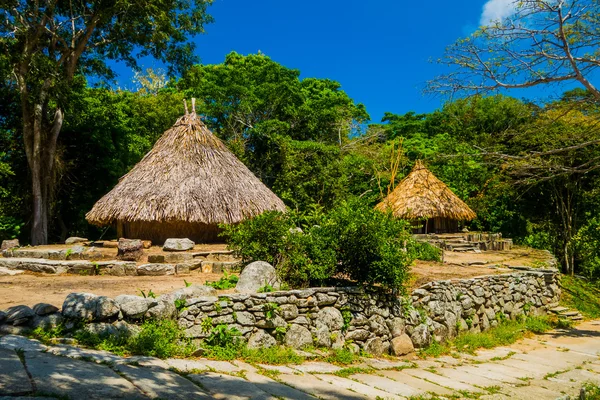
(136, 308)
(322, 335)
(261, 339)
(75, 239)
(288, 311)
(331, 317)
(80, 306)
(245, 318)
(162, 310)
(2, 316)
(256, 275)
(401, 345)
(421, 336)
(130, 249)
(396, 326)
(126, 298)
(156, 269)
(298, 337)
(272, 323)
(358, 334)
(178, 244)
(101, 329)
(9, 244)
(105, 308)
(44, 309)
(194, 291)
(19, 315)
(376, 346)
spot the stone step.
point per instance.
(568, 314)
(558, 310)
(576, 317)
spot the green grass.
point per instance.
(507, 332)
(276, 355)
(581, 295)
(341, 357)
(346, 372)
(592, 391)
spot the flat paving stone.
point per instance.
(440, 380)
(79, 353)
(316, 387)
(416, 383)
(223, 386)
(534, 391)
(271, 386)
(527, 369)
(143, 361)
(13, 377)
(77, 379)
(212, 365)
(156, 382)
(16, 342)
(281, 368)
(365, 389)
(505, 373)
(316, 367)
(467, 376)
(379, 363)
(186, 365)
(388, 385)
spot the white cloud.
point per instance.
(495, 10)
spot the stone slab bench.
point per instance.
(80, 267)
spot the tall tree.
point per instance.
(541, 42)
(49, 42)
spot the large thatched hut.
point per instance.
(424, 199)
(184, 187)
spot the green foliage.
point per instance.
(162, 339)
(180, 304)
(587, 243)
(222, 336)
(206, 325)
(582, 295)
(227, 281)
(187, 284)
(149, 295)
(425, 251)
(353, 239)
(592, 391)
(341, 357)
(505, 333)
(347, 317)
(266, 288)
(270, 310)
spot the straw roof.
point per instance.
(190, 176)
(420, 195)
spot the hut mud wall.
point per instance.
(358, 318)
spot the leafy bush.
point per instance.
(425, 251)
(227, 281)
(222, 336)
(352, 239)
(162, 339)
(587, 244)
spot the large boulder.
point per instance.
(298, 337)
(130, 249)
(178, 244)
(376, 346)
(256, 275)
(75, 239)
(402, 345)
(260, 340)
(330, 317)
(89, 307)
(44, 309)
(194, 291)
(10, 244)
(19, 315)
(135, 308)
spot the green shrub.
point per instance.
(227, 281)
(162, 339)
(354, 240)
(425, 251)
(222, 336)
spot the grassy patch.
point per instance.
(581, 295)
(592, 391)
(507, 332)
(276, 355)
(341, 357)
(346, 372)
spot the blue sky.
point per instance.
(379, 50)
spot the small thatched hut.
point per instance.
(184, 187)
(427, 201)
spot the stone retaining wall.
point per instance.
(358, 318)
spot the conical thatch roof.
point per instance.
(188, 176)
(420, 195)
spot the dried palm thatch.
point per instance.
(189, 181)
(420, 196)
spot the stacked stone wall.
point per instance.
(359, 318)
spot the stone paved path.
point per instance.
(547, 366)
